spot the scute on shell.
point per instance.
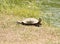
(30, 21)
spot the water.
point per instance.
(51, 10)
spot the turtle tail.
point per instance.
(18, 22)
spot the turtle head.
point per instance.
(39, 21)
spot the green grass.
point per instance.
(20, 8)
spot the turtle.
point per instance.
(30, 21)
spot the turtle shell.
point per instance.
(30, 21)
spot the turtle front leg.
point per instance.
(38, 24)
